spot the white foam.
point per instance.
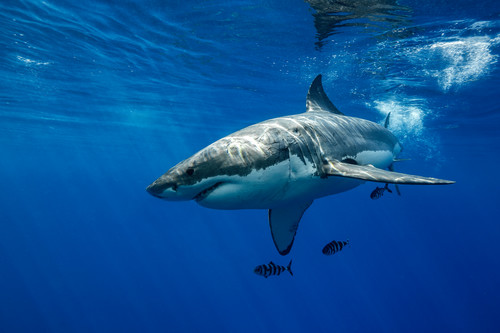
(407, 123)
(405, 119)
(464, 60)
(31, 62)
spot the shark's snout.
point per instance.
(157, 188)
(153, 190)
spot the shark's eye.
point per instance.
(190, 171)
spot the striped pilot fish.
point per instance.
(272, 269)
(379, 192)
(334, 247)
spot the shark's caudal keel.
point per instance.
(283, 164)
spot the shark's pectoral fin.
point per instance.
(370, 173)
(284, 222)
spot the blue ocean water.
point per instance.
(99, 98)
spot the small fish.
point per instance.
(272, 269)
(334, 246)
(379, 192)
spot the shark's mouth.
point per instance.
(206, 192)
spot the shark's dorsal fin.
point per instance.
(284, 222)
(317, 101)
(373, 174)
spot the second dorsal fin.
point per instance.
(317, 101)
(387, 119)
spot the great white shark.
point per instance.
(284, 164)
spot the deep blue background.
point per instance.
(99, 98)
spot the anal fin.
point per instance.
(284, 222)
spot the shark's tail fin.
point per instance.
(289, 268)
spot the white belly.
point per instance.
(261, 189)
(285, 183)
(305, 185)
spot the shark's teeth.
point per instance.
(203, 194)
